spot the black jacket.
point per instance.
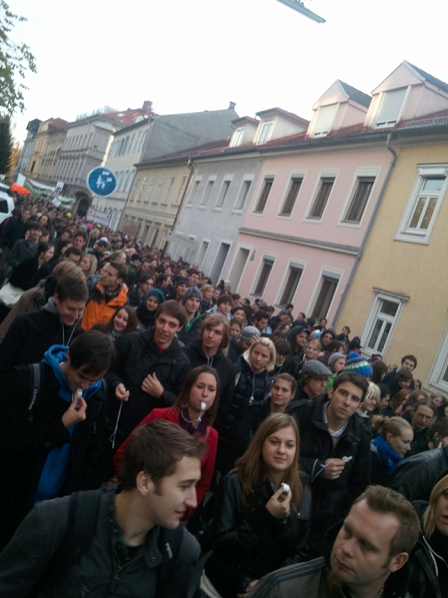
(30, 335)
(137, 356)
(249, 388)
(416, 476)
(14, 230)
(25, 444)
(234, 351)
(331, 498)
(188, 338)
(226, 374)
(249, 544)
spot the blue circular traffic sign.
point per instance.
(101, 181)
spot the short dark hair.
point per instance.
(355, 379)
(403, 375)
(43, 248)
(93, 351)
(156, 448)
(328, 331)
(81, 233)
(224, 298)
(438, 428)
(71, 287)
(213, 320)
(410, 358)
(122, 270)
(174, 309)
(73, 251)
(145, 276)
(388, 502)
(34, 225)
(261, 315)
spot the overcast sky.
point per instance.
(192, 55)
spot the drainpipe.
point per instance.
(369, 228)
(191, 169)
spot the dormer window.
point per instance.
(266, 131)
(238, 137)
(390, 107)
(324, 120)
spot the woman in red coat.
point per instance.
(195, 411)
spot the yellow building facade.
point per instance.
(397, 301)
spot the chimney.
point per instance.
(146, 108)
(232, 105)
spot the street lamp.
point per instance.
(300, 7)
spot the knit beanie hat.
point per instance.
(334, 357)
(358, 365)
(248, 332)
(157, 293)
(192, 292)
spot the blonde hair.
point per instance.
(390, 425)
(373, 392)
(266, 342)
(429, 518)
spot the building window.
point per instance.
(291, 197)
(242, 196)
(324, 120)
(264, 275)
(318, 207)
(268, 182)
(359, 200)
(439, 372)
(327, 290)
(292, 282)
(222, 194)
(193, 192)
(265, 133)
(381, 321)
(389, 109)
(238, 137)
(424, 204)
(206, 196)
(170, 188)
(159, 188)
(181, 189)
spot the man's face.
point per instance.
(25, 215)
(212, 337)
(193, 279)
(327, 338)
(180, 290)
(408, 364)
(174, 494)
(192, 305)
(65, 236)
(76, 378)
(78, 242)
(69, 310)
(301, 339)
(224, 308)
(166, 328)
(145, 267)
(146, 286)
(422, 418)
(316, 386)
(360, 556)
(35, 235)
(75, 258)
(345, 400)
(109, 277)
(261, 324)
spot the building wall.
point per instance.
(405, 269)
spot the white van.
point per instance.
(6, 206)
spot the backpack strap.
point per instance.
(81, 527)
(169, 543)
(35, 378)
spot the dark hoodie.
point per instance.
(30, 335)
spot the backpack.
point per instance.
(83, 513)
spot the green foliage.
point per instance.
(5, 145)
(15, 60)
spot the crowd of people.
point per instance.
(161, 435)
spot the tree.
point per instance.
(15, 60)
(5, 144)
(16, 151)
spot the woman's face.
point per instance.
(207, 294)
(151, 303)
(48, 254)
(240, 315)
(64, 249)
(203, 390)
(121, 320)
(437, 401)
(339, 364)
(84, 264)
(401, 443)
(441, 513)
(312, 351)
(259, 358)
(368, 404)
(279, 450)
(281, 393)
(44, 220)
(235, 329)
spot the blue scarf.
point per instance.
(55, 468)
(386, 453)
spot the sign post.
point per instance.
(101, 181)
